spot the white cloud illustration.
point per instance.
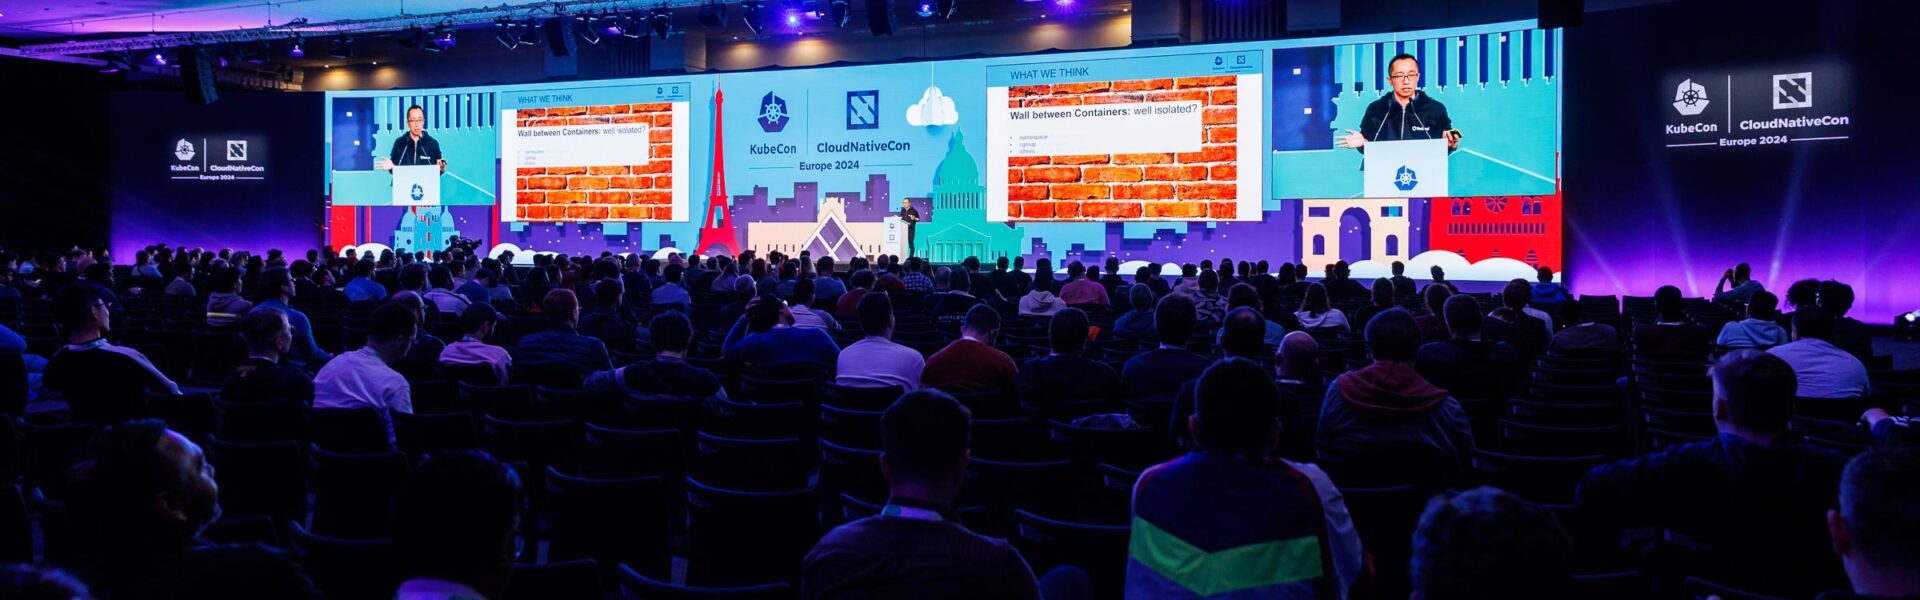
(1491, 269)
(933, 109)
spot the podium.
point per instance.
(1406, 169)
(416, 185)
(895, 240)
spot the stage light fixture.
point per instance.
(713, 16)
(662, 21)
(792, 18)
(503, 32)
(158, 58)
(754, 13)
(257, 54)
(588, 30)
(529, 32)
(838, 11)
(443, 36)
(611, 24)
(342, 49)
(924, 9)
(413, 38)
(298, 49)
(945, 8)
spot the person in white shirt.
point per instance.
(442, 295)
(803, 314)
(878, 361)
(362, 378)
(1824, 370)
(1759, 330)
(1040, 302)
(478, 323)
(1317, 313)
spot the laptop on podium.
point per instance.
(1406, 169)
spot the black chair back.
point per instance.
(750, 464)
(354, 495)
(262, 421)
(420, 432)
(563, 580)
(635, 585)
(353, 569)
(261, 478)
(625, 521)
(348, 429)
(851, 471)
(746, 538)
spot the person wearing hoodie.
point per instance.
(1547, 294)
(225, 306)
(1386, 424)
(1316, 312)
(1041, 302)
(1137, 324)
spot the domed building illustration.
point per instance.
(957, 227)
(425, 228)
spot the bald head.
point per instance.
(1297, 357)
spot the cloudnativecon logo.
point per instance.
(194, 162)
(1792, 92)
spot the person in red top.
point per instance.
(971, 363)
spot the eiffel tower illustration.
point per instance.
(721, 236)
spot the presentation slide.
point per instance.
(595, 154)
(1125, 139)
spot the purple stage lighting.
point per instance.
(925, 9)
(793, 18)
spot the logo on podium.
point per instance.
(1405, 179)
(417, 193)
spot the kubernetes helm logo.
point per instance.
(1405, 179)
(183, 150)
(1690, 99)
(773, 113)
(417, 193)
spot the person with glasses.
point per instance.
(415, 147)
(1406, 114)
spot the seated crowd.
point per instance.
(785, 426)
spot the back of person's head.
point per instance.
(1669, 305)
(1243, 333)
(802, 291)
(1803, 293)
(670, 331)
(1393, 336)
(143, 484)
(1209, 281)
(1813, 324)
(1462, 315)
(441, 277)
(1288, 273)
(458, 518)
(1516, 294)
(413, 277)
(1075, 270)
(1235, 408)
(35, 582)
(1435, 297)
(1763, 305)
(1315, 300)
(1243, 295)
(1437, 273)
(262, 330)
(1754, 390)
(1141, 297)
(1173, 320)
(959, 282)
(1399, 268)
(1113, 264)
(73, 305)
(1000, 263)
(943, 278)
(1878, 523)
(1068, 331)
(560, 306)
(363, 268)
(1298, 356)
(1382, 291)
(274, 283)
(924, 437)
(1836, 298)
(982, 319)
(1487, 544)
(1742, 272)
(971, 263)
(876, 313)
(301, 269)
(675, 272)
(390, 322)
(1093, 272)
(1189, 270)
(227, 279)
(862, 280)
(1546, 274)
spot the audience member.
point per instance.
(916, 546)
(1386, 424)
(1082, 291)
(671, 293)
(847, 306)
(1513, 324)
(1040, 302)
(182, 283)
(667, 381)
(1465, 365)
(1487, 544)
(362, 288)
(1741, 277)
(100, 381)
(1296, 369)
(1875, 528)
(1064, 374)
(1243, 335)
(971, 363)
(456, 527)
(1548, 294)
(1379, 300)
(562, 343)
(957, 302)
(276, 289)
(141, 499)
(263, 378)
(1317, 313)
(1403, 286)
(1210, 307)
(1137, 324)
(477, 324)
(803, 313)
(1849, 334)
(225, 306)
(768, 344)
(876, 360)
(1159, 373)
(1823, 369)
(605, 322)
(1758, 330)
(1583, 337)
(1433, 322)
(1233, 493)
(1751, 493)
(1804, 293)
(364, 378)
(1440, 278)
(426, 349)
(479, 289)
(444, 299)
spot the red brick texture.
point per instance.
(614, 193)
(1186, 185)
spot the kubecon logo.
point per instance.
(1690, 99)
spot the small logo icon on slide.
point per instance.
(773, 113)
(1405, 179)
(183, 150)
(863, 109)
(417, 193)
(1793, 90)
(1690, 99)
(237, 150)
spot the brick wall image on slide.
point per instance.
(1185, 185)
(608, 193)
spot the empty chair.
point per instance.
(862, 398)
(507, 401)
(1109, 499)
(640, 586)
(16, 532)
(433, 395)
(1385, 518)
(1701, 589)
(348, 429)
(348, 568)
(192, 414)
(1001, 487)
(614, 453)
(1605, 391)
(768, 390)
(850, 428)
(564, 580)
(354, 495)
(764, 421)
(47, 451)
(1542, 479)
(421, 433)
(624, 520)
(851, 471)
(1013, 439)
(262, 421)
(744, 538)
(1100, 550)
(576, 405)
(553, 375)
(260, 478)
(476, 373)
(749, 464)
(1563, 414)
(990, 405)
(1547, 440)
(1136, 448)
(1656, 439)
(537, 443)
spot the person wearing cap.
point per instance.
(477, 324)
